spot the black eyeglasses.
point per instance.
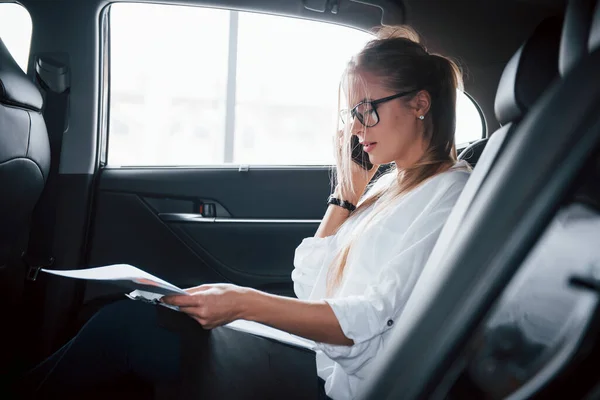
(366, 111)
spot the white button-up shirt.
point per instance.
(382, 268)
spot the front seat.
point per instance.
(24, 153)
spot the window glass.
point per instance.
(469, 123)
(217, 87)
(169, 87)
(287, 89)
(15, 31)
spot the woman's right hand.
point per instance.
(360, 179)
(359, 176)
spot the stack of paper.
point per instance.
(150, 289)
(124, 275)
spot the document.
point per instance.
(149, 288)
(124, 275)
(257, 329)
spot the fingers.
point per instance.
(181, 300)
(198, 317)
(196, 289)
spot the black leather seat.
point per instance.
(543, 320)
(577, 40)
(526, 76)
(24, 167)
(24, 152)
(580, 37)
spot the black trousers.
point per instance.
(134, 349)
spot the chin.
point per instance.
(378, 160)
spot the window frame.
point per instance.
(104, 91)
(230, 97)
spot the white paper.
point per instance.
(123, 275)
(150, 289)
(257, 329)
(253, 328)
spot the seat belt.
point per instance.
(53, 80)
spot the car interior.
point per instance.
(190, 138)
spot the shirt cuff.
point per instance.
(352, 359)
(361, 318)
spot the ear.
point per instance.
(422, 102)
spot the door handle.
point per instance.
(207, 210)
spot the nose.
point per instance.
(356, 127)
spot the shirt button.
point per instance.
(390, 322)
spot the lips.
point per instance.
(368, 146)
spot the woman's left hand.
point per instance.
(211, 305)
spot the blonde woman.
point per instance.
(352, 279)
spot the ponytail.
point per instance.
(446, 79)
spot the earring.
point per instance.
(421, 117)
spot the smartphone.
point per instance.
(360, 156)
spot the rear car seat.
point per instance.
(24, 151)
(525, 77)
(24, 166)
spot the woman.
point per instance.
(352, 279)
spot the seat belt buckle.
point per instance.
(34, 266)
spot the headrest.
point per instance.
(15, 88)
(529, 72)
(575, 34)
(594, 42)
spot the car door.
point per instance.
(219, 142)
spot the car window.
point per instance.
(213, 87)
(15, 31)
(470, 125)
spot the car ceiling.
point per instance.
(480, 35)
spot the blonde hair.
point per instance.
(402, 64)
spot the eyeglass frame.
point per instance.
(373, 104)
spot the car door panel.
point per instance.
(146, 217)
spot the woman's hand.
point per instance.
(359, 176)
(211, 305)
(360, 179)
(219, 304)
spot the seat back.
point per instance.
(24, 152)
(576, 34)
(541, 333)
(581, 37)
(540, 321)
(526, 76)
